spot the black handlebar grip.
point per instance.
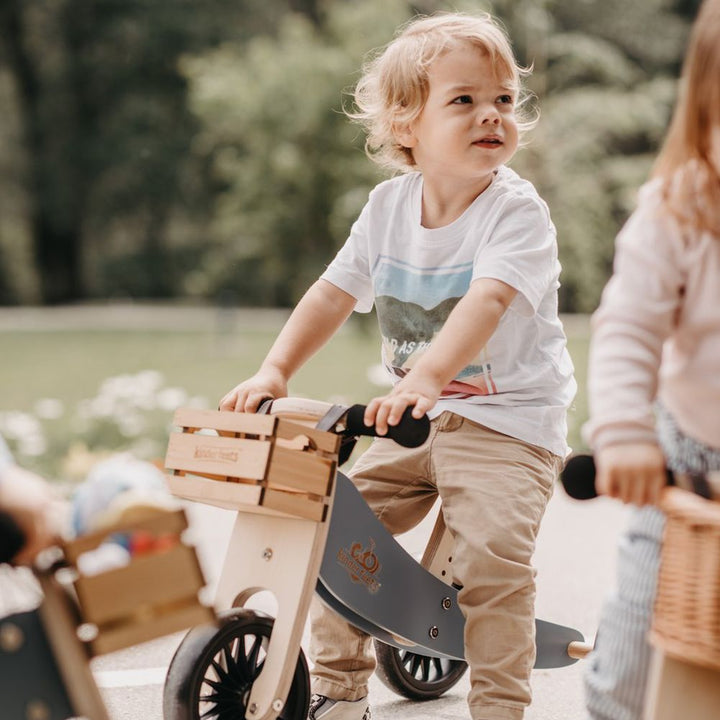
(409, 432)
(578, 477)
(12, 538)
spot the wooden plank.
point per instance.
(59, 618)
(677, 689)
(230, 457)
(325, 441)
(300, 471)
(225, 421)
(154, 626)
(161, 523)
(148, 580)
(214, 492)
(294, 504)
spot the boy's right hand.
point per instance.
(247, 396)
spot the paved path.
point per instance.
(575, 560)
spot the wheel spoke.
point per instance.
(253, 656)
(214, 684)
(220, 671)
(237, 670)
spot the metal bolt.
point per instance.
(446, 603)
(37, 710)
(434, 632)
(267, 553)
(252, 709)
(277, 705)
(11, 637)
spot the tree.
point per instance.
(290, 165)
(105, 126)
(605, 74)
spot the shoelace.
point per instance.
(315, 702)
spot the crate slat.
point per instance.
(153, 626)
(231, 457)
(160, 522)
(225, 421)
(325, 441)
(294, 504)
(148, 580)
(300, 471)
(214, 492)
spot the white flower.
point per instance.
(16, 424)
(49, 408)
(171, 398)
(32, 445)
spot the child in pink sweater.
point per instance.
(654, 377)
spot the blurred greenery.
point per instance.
(68, 397)
(179, 149)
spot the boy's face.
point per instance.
(467, 128)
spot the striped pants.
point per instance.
(616, 679)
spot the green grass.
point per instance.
(70, 365)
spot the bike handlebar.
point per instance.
(410, 432)
(578, 479)
(349, 421)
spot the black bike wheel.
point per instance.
(213, 670)
(417, 677)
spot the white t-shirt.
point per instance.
(521, 383)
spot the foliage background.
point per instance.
(198, 150)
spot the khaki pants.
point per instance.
(494, 490)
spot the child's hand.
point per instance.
(247, 396)
(633, 473)
(412, 390)
(35, 507)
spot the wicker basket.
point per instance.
(686, 621)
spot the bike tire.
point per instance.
(414, 676)
(213, 669)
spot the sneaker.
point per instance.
(323, 708)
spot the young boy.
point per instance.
(459, 257)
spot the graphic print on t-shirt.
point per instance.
(412, 305)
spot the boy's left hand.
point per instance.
(413, 390)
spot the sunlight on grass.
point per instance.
(46, 376)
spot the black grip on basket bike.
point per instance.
(409, 432)
(578, 478)
(12, 538)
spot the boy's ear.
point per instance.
(404, 134)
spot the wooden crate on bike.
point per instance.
(155, 594)
(241, 460)
(686, 620)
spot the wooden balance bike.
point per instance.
(301, 528)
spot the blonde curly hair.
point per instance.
(394, 84)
